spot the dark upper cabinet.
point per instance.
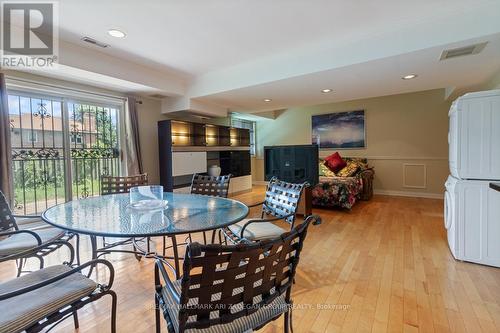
(186, 133)
(175, 135)
(182, 133)
(244, 135)
(224, 136)
(212, 135)
(199, 135)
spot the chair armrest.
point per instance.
(263, 220)
(160, 269)
(368, 173)
(62, 276)
(34, 250)
(25, 231)
(256, 204)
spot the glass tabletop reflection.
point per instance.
(111, 216)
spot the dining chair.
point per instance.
(117, 185)
(231, 288)
(216, 186)
(19, 233)
(121, 184)
(46, 297)
(281, 202)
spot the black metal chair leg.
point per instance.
(113, 311)
(137, 257)
(220, 237)
(164, 246)
(287, 327)
(19, 264)
(157, 315)
(75, 319)
(204, 238)
(176, 256)
(40, 258)
(93, 245)
(77, 236)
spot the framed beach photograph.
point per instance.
(340, 130)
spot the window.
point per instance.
(248, 124)
(33, 136)
(60, 148)
(76, 138)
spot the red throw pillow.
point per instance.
(335, 163)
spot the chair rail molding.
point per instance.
(384, 158)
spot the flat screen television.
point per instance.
(294, 164)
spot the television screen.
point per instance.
(294, 164)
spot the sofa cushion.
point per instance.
(323, 169)
(361, 162)
(350, 170)
(335, 162)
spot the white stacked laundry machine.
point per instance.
(472, 207)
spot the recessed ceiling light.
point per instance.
(326, 91)
(116, 33)
(267, 100)
(409, 76)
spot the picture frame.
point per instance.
(339, 130)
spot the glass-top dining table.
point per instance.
(112, 216)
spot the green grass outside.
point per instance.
(50, 193)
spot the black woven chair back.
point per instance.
(210, 185)
(7, 220)
(282, 199)
(116, 185)
(226, 282)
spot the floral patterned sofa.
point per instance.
(339, 190)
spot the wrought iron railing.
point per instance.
(59, 151)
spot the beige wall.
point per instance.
(406, 139)
(149, 113)
(494, 82)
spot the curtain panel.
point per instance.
(6, 185)
(132, 144)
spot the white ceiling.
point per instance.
(370, 79)
(199, 36)
(237, 52)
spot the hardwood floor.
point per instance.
(383, 267)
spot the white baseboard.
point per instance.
(410, 194)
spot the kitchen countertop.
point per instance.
(495, 186)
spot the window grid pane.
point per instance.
(39, 152)
(247, 124)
